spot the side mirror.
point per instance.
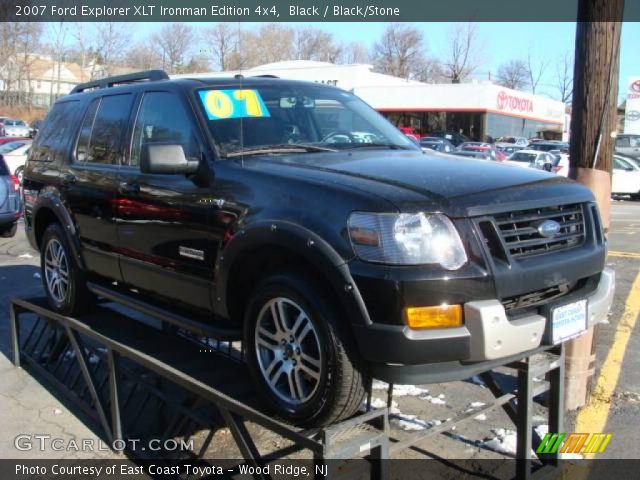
(165, 158)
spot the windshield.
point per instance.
(308, 118)
(10, 147)
(523, 157)
(14, 123)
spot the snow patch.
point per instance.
(505, 441)
(439, 400)
(481, 418)
(410, 422)
(400, 390)
(25, 255)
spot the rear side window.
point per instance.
(109, 125)
(57, 128)
(163, 119)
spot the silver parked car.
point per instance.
(629, 145)
(16, 128)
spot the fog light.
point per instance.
(442, 316)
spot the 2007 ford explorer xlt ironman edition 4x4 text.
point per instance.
(293, 216)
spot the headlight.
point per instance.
(407, 239)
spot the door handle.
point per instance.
(68, 179)
(129, 187)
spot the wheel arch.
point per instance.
(51, 210)
(263, 248)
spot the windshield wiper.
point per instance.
(281, 148)
(390, 146)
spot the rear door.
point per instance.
(90, 181)
(168, 246)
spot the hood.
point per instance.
(449, 181)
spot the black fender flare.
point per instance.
(298, 240)
(52, 201)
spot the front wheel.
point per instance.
(300, 351)
(63, 281)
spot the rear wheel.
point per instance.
(9, 231)
(64, 282)
(301, 353)
(20, 174)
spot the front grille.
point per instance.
(519, 230)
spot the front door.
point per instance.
(167, 246)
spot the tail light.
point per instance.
(557, 169)
(16, 183)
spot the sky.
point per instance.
(499, 43)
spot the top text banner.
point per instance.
(296, 11)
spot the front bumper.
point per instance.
(488, 336)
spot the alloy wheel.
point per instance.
(288, 350)
(56, 271)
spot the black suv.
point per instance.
(293, 216)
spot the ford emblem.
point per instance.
(549, 228)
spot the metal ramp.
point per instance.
(136, 381)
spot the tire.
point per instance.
(9, 231)
(635, 196)
(71, 297)
(319, 377)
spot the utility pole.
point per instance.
(593, 126)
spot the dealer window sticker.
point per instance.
(224, 104)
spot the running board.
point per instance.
(194, 326)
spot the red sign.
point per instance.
(512, 102)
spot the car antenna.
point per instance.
(240, 78)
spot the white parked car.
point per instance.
(626, 177)
(531, 159)
(560, 164)
(15, 156)
(16, 128)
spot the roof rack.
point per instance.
(148, 76)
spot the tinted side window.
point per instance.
(622, 142)
(163, 119)
(57, 128)
(82, 148)
(108, 129)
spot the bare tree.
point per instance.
(111, 44)
(399, 50)
(56, 40)
(462, 58)
(354, 52)
(430, 70)
(535, 71)
(512, 74)
(222, 42)
(311, 43)
(174, 42)
(563, 80)
(143, 56)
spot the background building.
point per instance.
(478, 110)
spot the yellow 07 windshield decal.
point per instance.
(223, 104)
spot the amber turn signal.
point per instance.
(441, 316)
